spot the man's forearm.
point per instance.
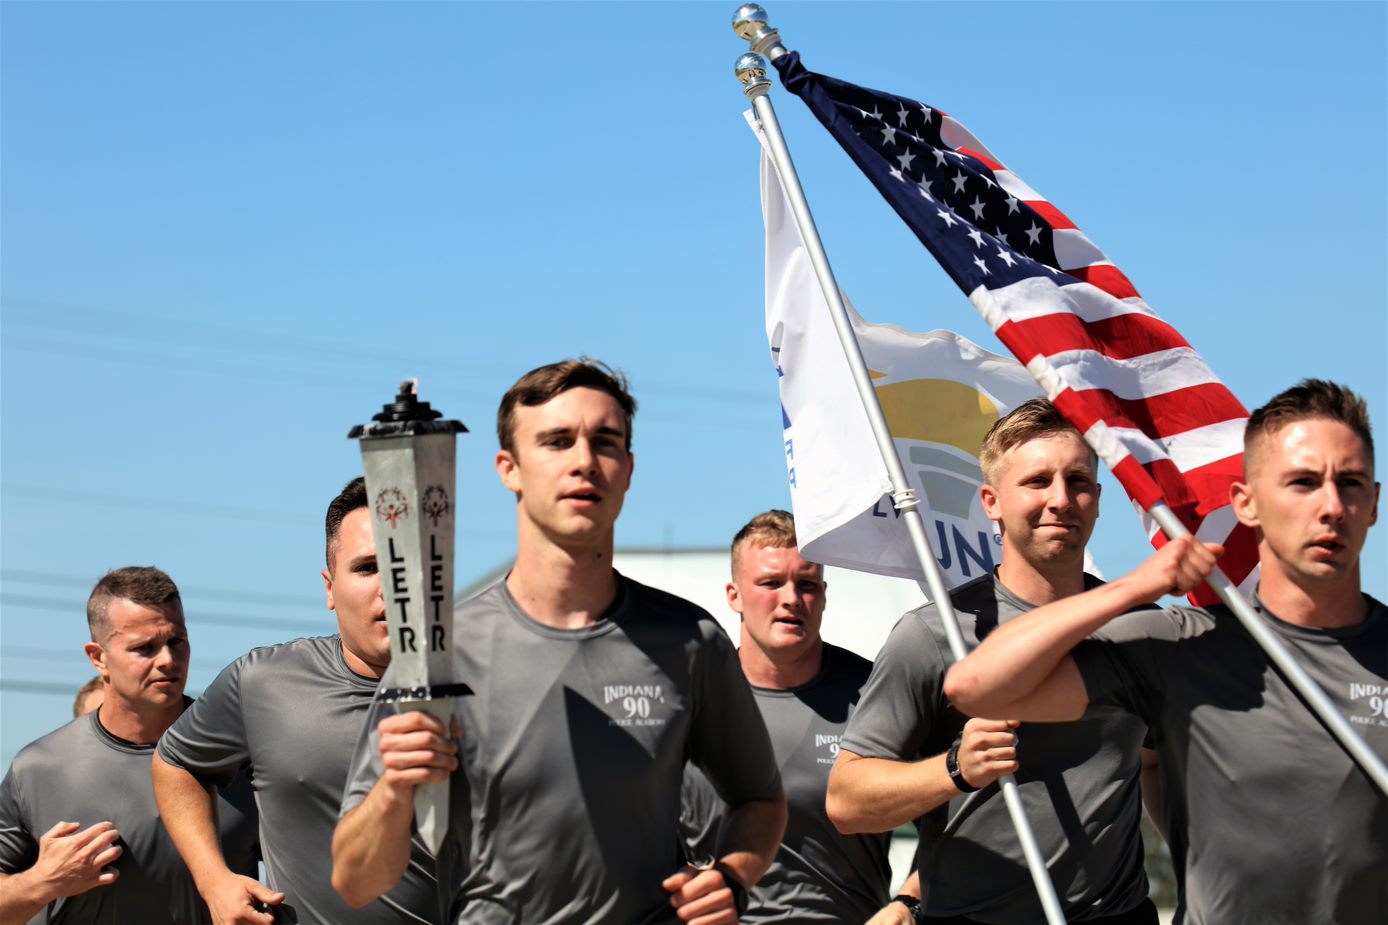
(371, 846)
(22, 896)
(877, 794)
(1023, 670)
(750, 836)
(1014, 664)
(188, 809)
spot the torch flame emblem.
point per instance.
(434, 503)
(391, 506)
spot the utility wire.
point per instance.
(207, 335)
(242, 371)
(54, 688)
(195, 618)
(78, 581)
(75, 656)
(145, 503)
(176, 506)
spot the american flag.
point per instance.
(1160, 418)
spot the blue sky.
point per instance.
(228, 230)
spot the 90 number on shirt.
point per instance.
(637, 707)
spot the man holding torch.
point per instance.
(589, 692)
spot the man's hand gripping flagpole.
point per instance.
(750, 23)
(1110, 450)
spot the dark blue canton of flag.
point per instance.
(1157, 414)
(944, 188)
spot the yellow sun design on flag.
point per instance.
(945, 413)
(937, 411)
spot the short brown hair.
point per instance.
(1031, 419)
(82, 692)
(352, 497)
(775, 529)
(139, 584)
(1309, 398)
(543, 383)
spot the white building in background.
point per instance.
(861, 608)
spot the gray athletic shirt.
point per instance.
(818, 875)
(566, 809)
(1267, 817)
(1078, 781)
(82, 773)
(290, 715)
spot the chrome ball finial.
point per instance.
(748, 19)
(750, 23)
(751, 71)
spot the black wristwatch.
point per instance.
(952, 766)
(732, 883)
(911, 903)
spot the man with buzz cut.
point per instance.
(590, 692)
(909, 754)
(805, 690)
(288, 715)
(80, 835)
(1268, 818)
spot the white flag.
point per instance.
(939, 392)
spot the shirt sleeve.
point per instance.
(701, 816)
(19, 848)
(903, 697)
(209, 739)
(1123, 664)
(728, 739)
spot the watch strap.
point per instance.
(911, 903)
(952, 766)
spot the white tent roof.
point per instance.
(861, 609)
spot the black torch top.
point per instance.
(405, 416)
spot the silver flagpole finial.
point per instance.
(751, 70)
(750, 23)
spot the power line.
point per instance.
(208, 334)
(54, 688)
(195, 618)
(205, 335)
(147, 504)
(235, 369)
(240, 371)
(33, 576)
(38, 687)
(54, 654)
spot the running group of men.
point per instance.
(619, 761)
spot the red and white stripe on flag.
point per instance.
(1162, 420)
(1171, 431)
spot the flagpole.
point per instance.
(751, 24)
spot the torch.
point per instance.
(408, 456)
